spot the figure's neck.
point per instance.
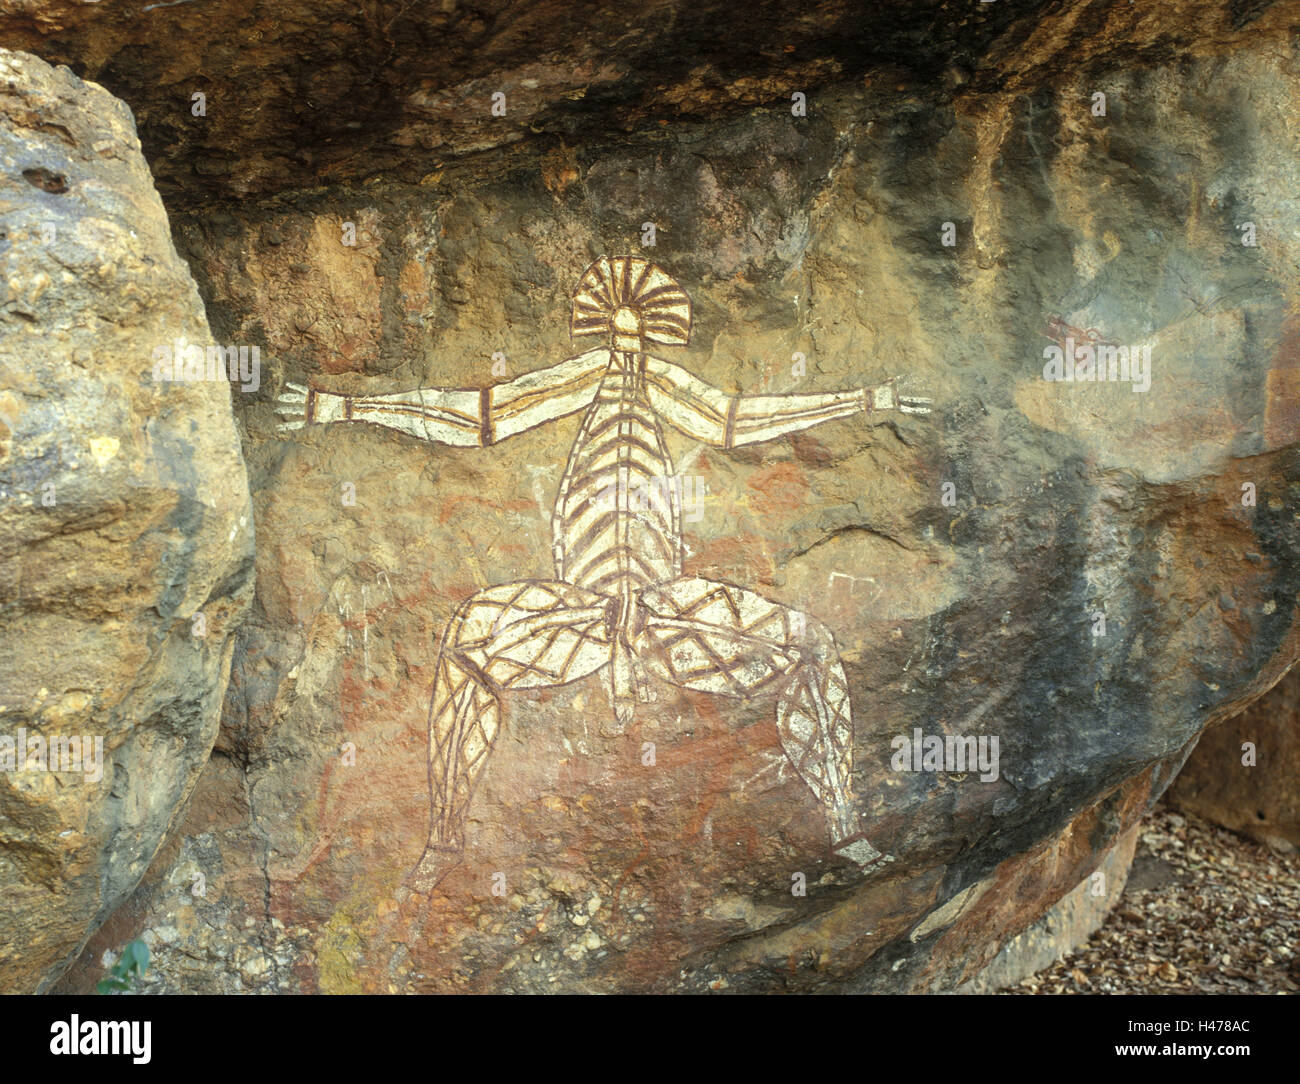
(630, 359)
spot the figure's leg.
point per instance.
(718, 638)
(464, 714)
(514, 636)
(816, 727)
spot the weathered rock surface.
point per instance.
(124, 513)
(1066, 924)
(1091, 573)
(333, 92)
(1245, 773)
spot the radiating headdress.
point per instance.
(629, 282)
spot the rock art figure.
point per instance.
(620, 604)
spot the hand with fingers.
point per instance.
(291, 404)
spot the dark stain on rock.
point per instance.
(46, 180)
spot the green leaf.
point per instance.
(136, 957)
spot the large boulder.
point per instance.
(1245, 773)
(126, 533)
(1089, 572)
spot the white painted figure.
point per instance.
(620, 603)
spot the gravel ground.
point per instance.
(1204, 912)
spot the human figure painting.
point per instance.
(620, 604)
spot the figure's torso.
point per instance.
(616, 526)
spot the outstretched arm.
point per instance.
(469, 417)
(701, 411)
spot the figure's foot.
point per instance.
(616, 724)
(858, 849)
(437, 861)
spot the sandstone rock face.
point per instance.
(1245, 773)
(1068, 923)
(330, 92)
(1088, 572)
(125, 524)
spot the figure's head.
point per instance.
(630, 301)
